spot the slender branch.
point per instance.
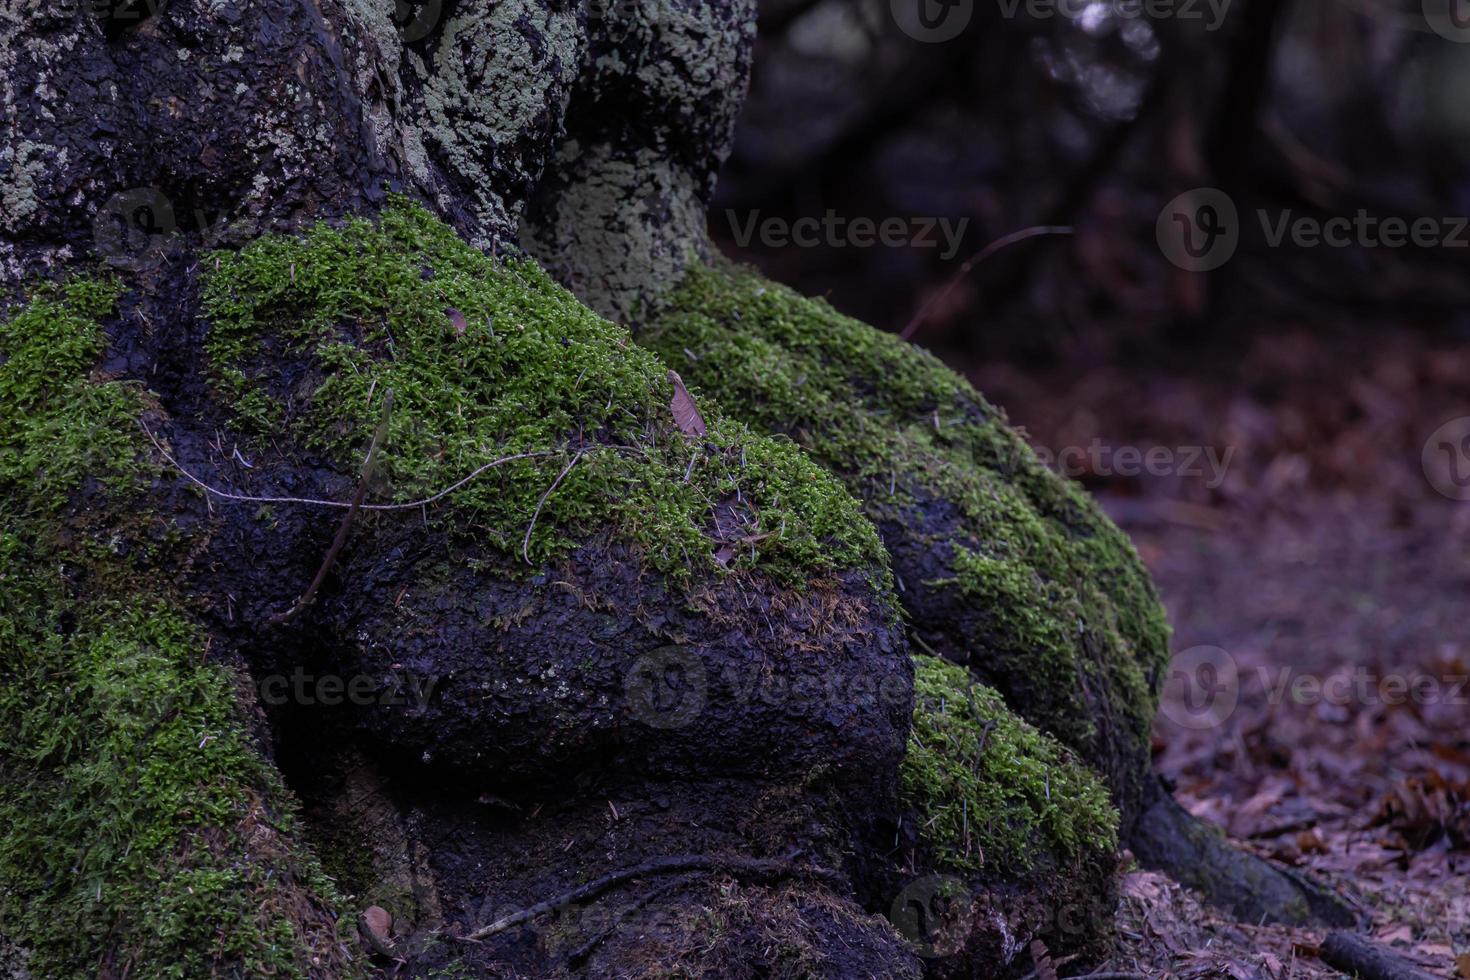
(526, 542)
(314, 502)
(1364, 958)
(670, 864)
(369, 464)
(976, 259)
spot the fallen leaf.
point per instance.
(1045, 968)
(457, 318)
(686, 413)
(1396, 934)
(379, 925)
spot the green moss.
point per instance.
(988, 790)
(1057, 600)
(519, 367)
(139, 828)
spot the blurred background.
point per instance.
(1231, 298)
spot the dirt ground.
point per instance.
(1315, 569)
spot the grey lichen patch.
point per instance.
(21, 169)
(14, 961)
(494, 89)
(619, 215)
(617, 225)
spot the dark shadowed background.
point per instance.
(1233, 303)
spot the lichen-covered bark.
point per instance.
(620, 212)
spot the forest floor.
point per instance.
(1317, 588)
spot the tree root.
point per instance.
(671, 864)
(1166, 838)
(1358, 957)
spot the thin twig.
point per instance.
(314, 502)
(369, 464)
(976, 259)
(670, 864)
(526, 541)
(585, 950)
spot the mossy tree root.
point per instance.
(1197, 855)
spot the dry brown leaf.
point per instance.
(1045, 968)
(1396, 934)
(457, 319)
(379, 925)
(686, 413)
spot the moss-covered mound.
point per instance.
(490, 359)
(554, 594)
(990, 791)
(1017, 832)
(566, 633)
(1002, 565)
(538, 522)
(141, 832)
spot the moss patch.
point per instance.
(489, 358)
(140, 831)
(1019, 571)
(989, 791)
